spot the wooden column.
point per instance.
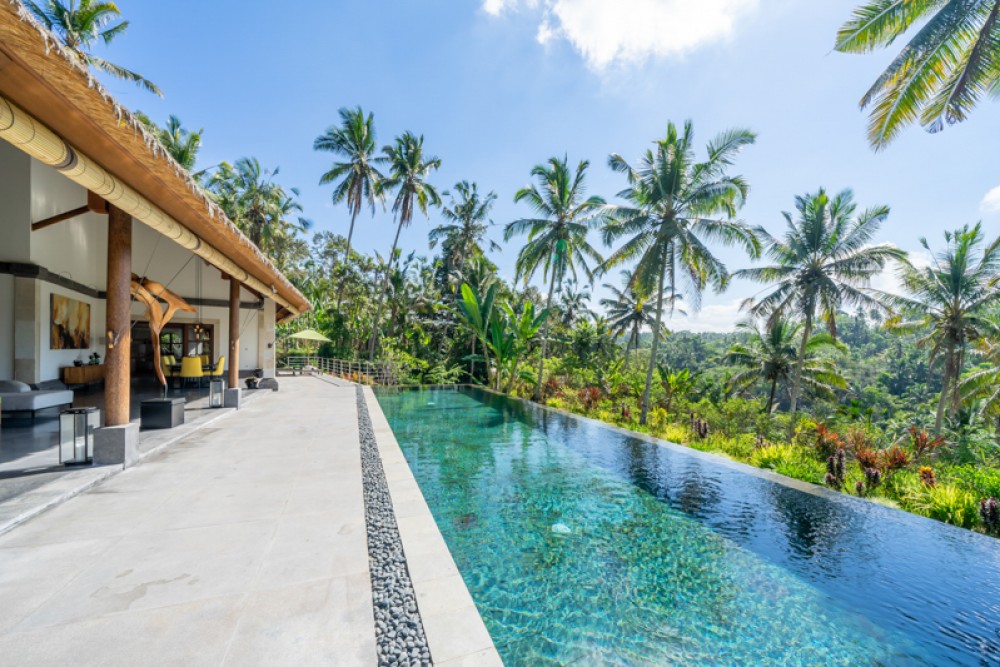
(234, 332)
(117, 359)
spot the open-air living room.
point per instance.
(123, 289)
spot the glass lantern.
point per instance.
(76, 434)
(216, 392)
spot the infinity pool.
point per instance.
(584, 545)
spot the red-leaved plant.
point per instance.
(589, 397)
(922, 442)
(827, 442)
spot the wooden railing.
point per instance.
(362, 372)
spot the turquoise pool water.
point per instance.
(582, 545)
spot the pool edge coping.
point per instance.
(455, 631)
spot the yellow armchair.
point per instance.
(217, 371)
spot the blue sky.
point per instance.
(497, 86)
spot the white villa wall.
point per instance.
(50, 361)
(6, 327)
(165, 258)
(75, 248)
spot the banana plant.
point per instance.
(520, 330)
(676, 383)
(475, 311)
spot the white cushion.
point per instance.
(35, 400)
(13, 387)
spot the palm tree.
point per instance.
(79, 26)
(469, 216)
(557, 239)
(408, 172)
(261, 208)
(984, 384)
(573, 302)
(676, 204)
(357, 178)
(628, 312)
(182, 144)
(824, 264)
(953, 298)
(940, 75)
(769, 355)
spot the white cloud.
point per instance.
(714, 317)
(606, 32)
(723, 317)
(888, 280)
(991, 201)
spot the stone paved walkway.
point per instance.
(243, 544)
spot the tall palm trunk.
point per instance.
(381, 297)
(652, 354)
(946, 381)
(797, 377)
(347, 258)
(770, 396)
(632, 340)
(545, 341)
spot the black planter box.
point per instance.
(161, 413)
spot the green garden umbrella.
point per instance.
(310, 334)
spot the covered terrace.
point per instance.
(90, 201)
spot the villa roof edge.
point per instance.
(50, 82)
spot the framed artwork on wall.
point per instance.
(70, 324)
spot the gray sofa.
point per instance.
(19, 397)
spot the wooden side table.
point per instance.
(79, 375)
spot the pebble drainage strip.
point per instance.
(399, 632)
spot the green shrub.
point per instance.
(804, 469)
(773, 455)
(948, 503)
(740, 447)
(983, 482)
(673, 433)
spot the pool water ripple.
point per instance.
(582, 545)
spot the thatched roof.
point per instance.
(51, 83)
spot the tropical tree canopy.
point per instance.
(824, 263)
(356, 178)
(952, 300)
(80, 24)
(557, 238)
(676, 206)
(182, 144)
(949, 64)
(461, 238)
(628, 311)
(260, 207)
(769, 356)
(409, 169)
